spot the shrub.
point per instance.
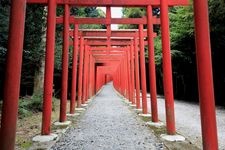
(30, 105)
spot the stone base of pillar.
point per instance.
(127, 102)
(133, 105)
(66, 123)
(80, 109)
(45, 138)
(84, 105)
(138, 110)
(172, 138)
(73, 115)
(155, 124)
(88, 101)
(145, 115)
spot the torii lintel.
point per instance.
(114, 3)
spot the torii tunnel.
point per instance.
(108, 55)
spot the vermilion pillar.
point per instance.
(74, 69)
(88, 74)
(94, 76)
(129, 74)
(143, 72)
(91, 79)
(108, 26)
(65, 62)
(85, 74)
(167, 68)
(126, 78)
(12, 75)
(132, 71)
(80, 78)
(152, 73)
(137, 77)
(205, 77)
(121, 79)
(119, 85)
(49, 68)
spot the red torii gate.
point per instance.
(108, 34)
(14, 60)
(74, 20)
(103, 71)
(144, 98)
(98, 37)
(106, 52)
(88, 89)
(110, 60)
(132, 70)
(97, 48)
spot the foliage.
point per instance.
(182, 32)
(34, 46)
(31, 104)
(217, 27)
(78, 12)
(182, 53)
(135, 12)
(4, 21)
(34, 39)
(182, 40)
(158, 51)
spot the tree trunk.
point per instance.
(39, 78)
(39, 72)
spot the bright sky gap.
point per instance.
(116, 13)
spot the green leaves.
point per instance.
(135, 12)
(4, 21)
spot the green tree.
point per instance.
(217, 27)
(135, 12)
(182, 42)
(81, 12)
(34, 48)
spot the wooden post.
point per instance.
(143, 72)
(74, 70)
(152, 72)
(80, 78)
(12, 75)
(205, 77)
(65, 61)
(167, 68)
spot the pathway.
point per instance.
(188, 122)
(108, 124)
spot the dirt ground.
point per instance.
(30, 126)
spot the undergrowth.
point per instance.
(31, 104)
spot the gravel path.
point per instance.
(188, 122)
(108, 124)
